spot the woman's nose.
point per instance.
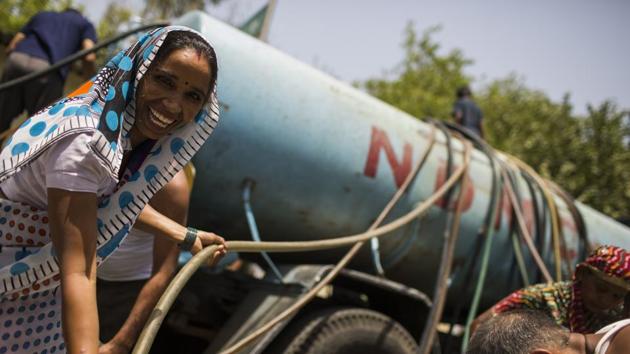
(173, 104)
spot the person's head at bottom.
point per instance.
(520, 332)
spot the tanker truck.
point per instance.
(299, 156)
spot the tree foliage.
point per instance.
(426, 80)
(604, 180)
(114, 17)
(586, 155)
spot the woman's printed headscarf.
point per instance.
(612, 262)
(106, 105)
(609, 263)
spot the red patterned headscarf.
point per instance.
(610, 263)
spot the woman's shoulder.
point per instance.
(73, 157)
(72, 146)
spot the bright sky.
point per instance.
(576, 46)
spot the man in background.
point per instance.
(47, 38)
(466, 112)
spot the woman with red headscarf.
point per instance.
(593, 299)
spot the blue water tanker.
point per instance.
(321, 159)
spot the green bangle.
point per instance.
(189, 239)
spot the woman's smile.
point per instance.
(159, 119)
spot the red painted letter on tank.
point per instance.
(381, 141)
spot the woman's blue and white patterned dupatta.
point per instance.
(29, 306)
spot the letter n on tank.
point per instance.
(379, 141)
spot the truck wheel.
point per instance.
(345, 331)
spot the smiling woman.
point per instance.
(77, 176)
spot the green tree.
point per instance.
(425, 82)
(604, 179)
(114, 17)
(528, 124)
(587, 156)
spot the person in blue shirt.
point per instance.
(47, 38)
(466, 112)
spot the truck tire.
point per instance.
(345, 331)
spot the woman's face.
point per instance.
(171, 94)
(599, 295)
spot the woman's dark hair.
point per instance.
(184, 40)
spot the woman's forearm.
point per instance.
(73, 229)
(79, 313)
(153, 222)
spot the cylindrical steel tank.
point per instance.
(326, 158)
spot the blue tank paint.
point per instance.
(304, 138)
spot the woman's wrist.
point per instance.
(189, 239)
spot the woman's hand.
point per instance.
(152, 221)
(205, 239)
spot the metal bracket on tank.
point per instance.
(248, 184)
